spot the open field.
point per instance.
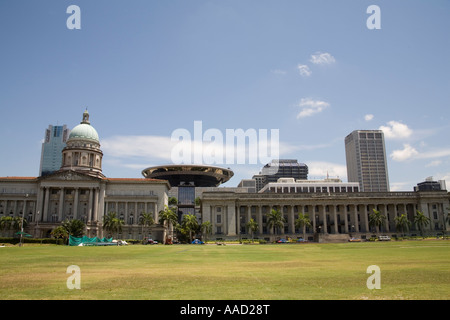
(409, 270)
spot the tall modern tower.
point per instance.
(366, 160)
(51, 155)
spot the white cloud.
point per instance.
(143, 151)
(368, 117)
(401, 186)
(396, 130)
(322, 58)
(434, 163)
(406, 153)
(320, 169)
(304, 70)
(309, 107)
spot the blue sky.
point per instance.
(311, 69)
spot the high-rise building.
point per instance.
(54, 142)
(284, 168)
(366, 160)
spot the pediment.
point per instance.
(68, 175)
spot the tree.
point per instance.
(190, 224)
(376, 219)
(173, 202)
(303, 221)
(60, 233)
(17, 223)
(275, 220)
(421, 221)
(74, 227)
(167, 217)
(112, 224)
(206, 228)
(146, 220)
(402, 223)
(252, 225)
(6, 223)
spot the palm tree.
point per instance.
(146, 220)
(190, 224)
(252, 225)
(17, 223)
(111, 223)
(74, 227)
(376, 219)
(167, 217)
(303, 221)
(402, 223)
(275, 220)
(6, 223)
(206, 228)
(421, 221)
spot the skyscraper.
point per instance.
(54, 142)
(366, 160)
(284, 168)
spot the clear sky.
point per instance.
(311, 69)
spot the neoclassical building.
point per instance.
(79, 190)
(333, 215)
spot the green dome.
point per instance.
(84, 131)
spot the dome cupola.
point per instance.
(82, 152)
(84, 131)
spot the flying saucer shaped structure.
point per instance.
(199, 175)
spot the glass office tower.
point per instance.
(51, 155)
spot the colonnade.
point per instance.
(327, 215)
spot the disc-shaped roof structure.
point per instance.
(200, 175)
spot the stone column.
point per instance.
(39, 201)
(259, 220)
(345, 218)
(91, 200)
(61, 204)
(291, 220)
(95, 209)
(231, 219)
(101, 204)
(46, 203)
(356, 222)
(386, 216)
(324, 216)
(75, 203)
(336, 230)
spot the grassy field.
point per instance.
(409, 270)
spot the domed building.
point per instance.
(80, 190)
(82, 153)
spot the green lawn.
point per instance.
(409, 270)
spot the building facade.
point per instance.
(366, 160)
(79, 190)
(337, 215)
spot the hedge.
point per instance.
(12, 240)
